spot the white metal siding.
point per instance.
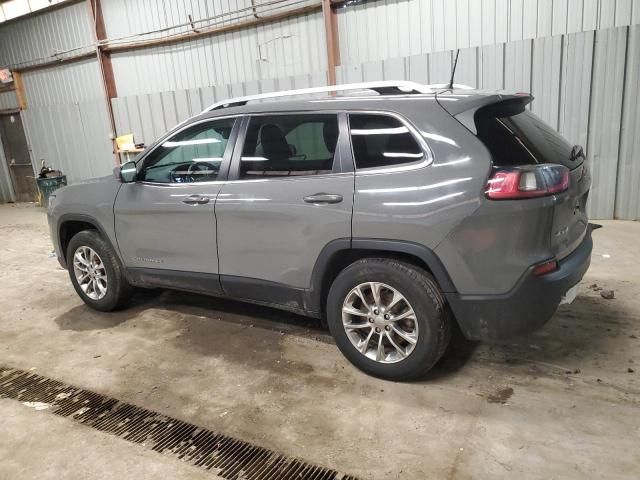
(37, 38)
(129, 17)
(6, 190)
(605, 119)
(8, 100)
(66, 120)
(558, 71)
(148, 116)
(394, 28)
(279, 49)
(628, 179)
(579, 58)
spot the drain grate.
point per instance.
(228, 457)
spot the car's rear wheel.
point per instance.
(96, 272)
(389, 318)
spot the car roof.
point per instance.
(455, 100)
(322, 103)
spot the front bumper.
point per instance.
(528, 306)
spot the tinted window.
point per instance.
(521, 138)
(289, 145)
(192, 155)
(382, 141)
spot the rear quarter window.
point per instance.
(516, 136)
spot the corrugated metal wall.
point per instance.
(66, 120)
(394, 28)
(8, 100)
(578, 90)
(279, 49)
(148, 116)
(578, 58)
(6, 189)
(627, 199)
(36, 38)
(127, 17)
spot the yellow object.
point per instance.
(125, 142)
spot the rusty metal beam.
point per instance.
(54, 63)
(19, 88)
(95, 10)
(333, 43)
(106, 69)
(107, 49)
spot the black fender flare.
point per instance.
(333, 248)
(81, 217)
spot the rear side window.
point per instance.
(516, 136)
(382, 141)
(289, 145)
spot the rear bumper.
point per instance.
(527, 307)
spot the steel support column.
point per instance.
(333, 43)
(106, 69)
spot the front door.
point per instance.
(290, 193)
(165, 223)
(16, 152)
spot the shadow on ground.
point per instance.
(580, 331)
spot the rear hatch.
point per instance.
(516, 137)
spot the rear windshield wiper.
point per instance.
(576, 152)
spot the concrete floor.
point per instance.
(277, 380)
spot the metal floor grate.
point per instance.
(228, 457)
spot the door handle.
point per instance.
(319, 198)
(196, 200)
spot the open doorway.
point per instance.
(16, 152)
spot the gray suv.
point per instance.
(390, 214)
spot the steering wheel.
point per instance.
(208, 168)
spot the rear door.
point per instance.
(290, 193)
(516, 136)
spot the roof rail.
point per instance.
(385, 87)
(456, 86)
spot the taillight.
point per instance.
(546, 267)
(527, 181)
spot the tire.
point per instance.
(118, 289)
(429, 325)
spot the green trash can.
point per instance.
(47, 186)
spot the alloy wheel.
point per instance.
(380, 322)
(90, 272)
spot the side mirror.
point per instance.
(128, 172)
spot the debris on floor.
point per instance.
(607, 294)
(500, 396)
(36, 405)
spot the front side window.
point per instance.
(382, 141)
(289, 145)
(192, 155)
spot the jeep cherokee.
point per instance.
(389, 213)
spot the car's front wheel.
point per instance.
(96, 272)
(388, 318)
